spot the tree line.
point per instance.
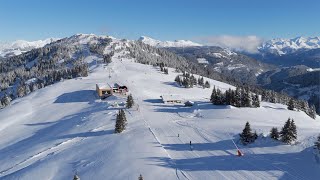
(188, 80)
(288, 133)
(240, 97)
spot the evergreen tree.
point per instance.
(177, 79)
(213, 95)
(247, 99)
(312, 111)
(76, 177)
(6, 100)
(274, 133)
(165, 70)
(291, 104)
(247, 136)
(186, 83)
(228, 97)
(207, 84)
(273, 97)
(304, 106)
(219, 98)
(140, 177)
(232, 97)
(255, 101)
(317, 143)
(121, 121)
(201, 81)
(193, 80)
(237, 98)
(130, 101)
(288, 133)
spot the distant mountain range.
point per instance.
(281, 47)
(20, 46)
(159, 44)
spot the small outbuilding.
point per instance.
(104, 90)
(171, 99)
(117, 88)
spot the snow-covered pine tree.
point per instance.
(255, 100)
(312, 111)
(247, 136)
(219, 98)
(177, 79)
(247, 99)
(274, 133)
(237, 98)
(201, 81)
(213, 95)
(228, 97)
(76, 177)
(121, 121)
(140, 177)
(119, 124)
(165, 70)
(291, 104)
(304, 106)
(130, 101)
(284, 133)
(124, 118)
(288, 133)
(6, 100)
(232, 97)
(193, 80)
(273, 97)
(206, 84)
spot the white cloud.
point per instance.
(240, 43)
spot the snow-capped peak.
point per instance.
(175, 43)
(286, 46)
(21, 46)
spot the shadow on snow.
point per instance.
(299, 165)
(77, 96)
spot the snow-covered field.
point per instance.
(65, 128)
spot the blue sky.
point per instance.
(162, 19)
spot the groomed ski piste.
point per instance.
(65, 128)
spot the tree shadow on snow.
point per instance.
(276, 108)
(180, 108)
(298, 165)
(86, 134)
(173, 84)
(77, 96)
(153, 101)
(51, 133)
(220, 145)
(40, 124)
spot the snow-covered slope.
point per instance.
(20, 46)
(176, 43)
(64, 128)
(287, 46)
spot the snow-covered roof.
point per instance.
(171, 97)
(103, 86)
